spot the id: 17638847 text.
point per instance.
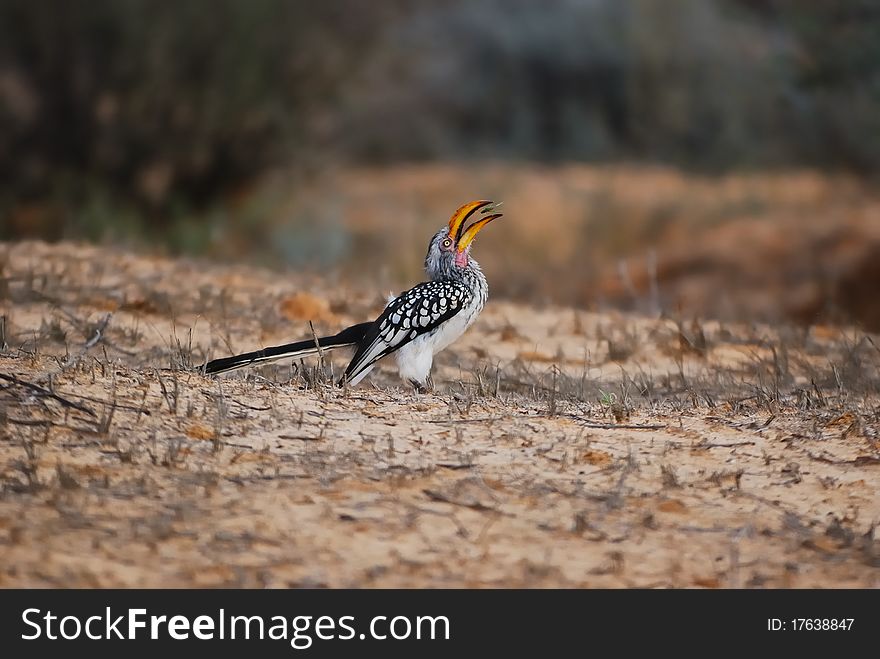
(809, 624)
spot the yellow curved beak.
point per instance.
(468, 237)
(459, 217)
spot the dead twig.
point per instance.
(434, 495)
(29, 422)
(93, 340)
(624, 426)
(454, 465)
(104, 401)
(859, 461)
(320, 350)
(238, 402)
(99, 332)
(46, 392)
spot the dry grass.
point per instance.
(561, 448)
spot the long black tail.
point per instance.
(347, 337)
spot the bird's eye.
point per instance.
(447, 243)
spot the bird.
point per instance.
(414, 325)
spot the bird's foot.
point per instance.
(425, 387)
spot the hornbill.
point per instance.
(415, 325)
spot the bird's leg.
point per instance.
(419, 387)
(425, 387)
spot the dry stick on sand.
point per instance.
(585, 424)
(623, 426)
(45, 392)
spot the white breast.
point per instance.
(414, 360)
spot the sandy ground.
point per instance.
(559, 448)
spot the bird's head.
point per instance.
(450, 247)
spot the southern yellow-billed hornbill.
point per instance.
(415, 325)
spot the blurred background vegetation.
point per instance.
(686, 156)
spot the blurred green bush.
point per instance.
(123, 116)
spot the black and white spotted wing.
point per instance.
(418, 311)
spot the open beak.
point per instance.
(468, 237)
(459, 217)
